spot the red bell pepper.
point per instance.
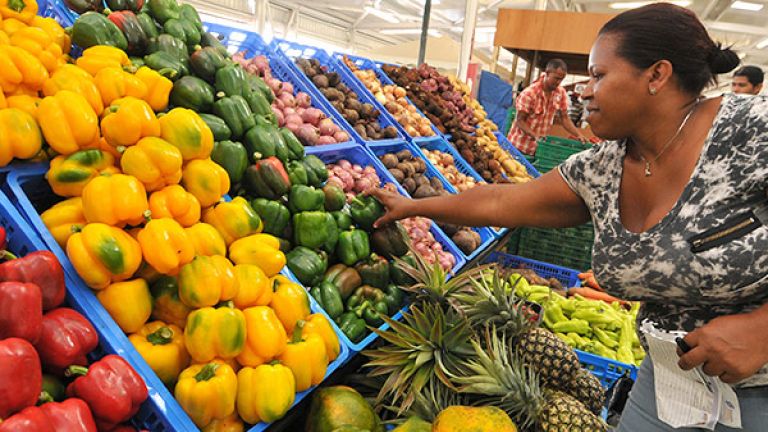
(21, 311)
(20, 377)
(65, 339)
(3, 240)
(112, 389)
(41, 268)
(72, 415)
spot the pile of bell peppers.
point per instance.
(47, 382)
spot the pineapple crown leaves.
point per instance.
(431, 400)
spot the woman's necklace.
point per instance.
(671, 140)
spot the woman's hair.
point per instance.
(663, 31)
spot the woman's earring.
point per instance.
(652, 91)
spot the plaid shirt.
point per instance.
(541, 114)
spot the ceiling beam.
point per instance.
(736, 28)
(417, 26)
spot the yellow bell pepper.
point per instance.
(231, 423)
(290, 301)
(114, 84)
(155, 163)
(305, 356)
(215, 333)
(28, 104)
(265, 336)
(68, 175)
(129, 303)
(167, 304)
(11, 26)
(22, 10)
(234, 220)
(68, 122)
(55, 31)
(207, 280)
(265, 393)
(206, 180)
(100, 57)
(3, 100)
(38, 43)
(64, 219)
(253, 287)
(116, 200)
(229, 362)
(20, 136)
(207, 392)
(176, 203)
(165, 245)
(102, 254)
(318, 324)
(262, 250)
(18, 67)
(186, 130)
(158, 88)
(206, 240)
(162, 347)
(127, 121)
(71, 77)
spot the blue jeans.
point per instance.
(640, 412)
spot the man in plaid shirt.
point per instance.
(537, 107)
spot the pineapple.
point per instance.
(587, 389)
(499, 378)
(553, 359)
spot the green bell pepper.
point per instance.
(184, 31)
(305, 198)
(394, 297)
(218, 126)
(235, 112)
(365, 210)
(397, 275)
(343, 220)
(317, 173)
(329, 298)
(193, 93)
(314, 229)
(162, 60)
(262, 140)
(137, 62)
(274, 215)
(389, 240)
(93, 28)
(297, 173)
(294, 147)
(169, 44)
(353, 246)
(206, 61)
(369, 303)
(163, 10)
(307, 265)
(267, 179)
(134, 34)
(257, 84)
(346, 279)
(352, 326)
(129, 5)
(258, 103)
(80, 6)
(335, 199)
(232, 157)
(208, 40)
(189, 13)
(148, 25)
(230, 80)
(374, 271)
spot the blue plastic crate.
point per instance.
(290, 51)
(515, 153)
(439, 143)
(605, 369)
(57, 10)
(366, 64)
(567, 277)
(237, 39)
(360, 155)
(486, 235)
(29, 184)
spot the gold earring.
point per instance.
(652, 91)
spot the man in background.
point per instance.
(747, 80)
(538, 105)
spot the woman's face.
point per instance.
(616, 94)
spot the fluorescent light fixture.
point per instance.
(386, 16)
(762, 44)
(637, 4)
(747, 6)
(431, 32)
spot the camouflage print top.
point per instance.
(707, 257)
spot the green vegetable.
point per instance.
(257, 84)
(329, 298)
(129, 5)
(394, 297)
(343, 220)
(397, 275)
(134, 34)
(258, 103)
(572, 326)
(208, 40)
(317, 173)
(235, 112)
(353, 246)
(389, 240)
(163, 10)
(162, 60)
(346, 279)
(231, 156)
(169, 44)
(262, 140)
(315, 229)
(604, 338)
(307, 265)
(193, 93)
(189, 14)
(267, 179)
(369, 303)
(374, 271)
(183, 30)
(148, 25)
(206, 61)
(365, 210)
(294, 147)
(93, 28)
(218, 126)
(352, 326)
(230, 80)
(305, 198)
(297, 173)
(334, 197)
(274, 215)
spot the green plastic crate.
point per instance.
(569, 247)
(554, 150)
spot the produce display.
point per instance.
(392, 97)
(293, 109)
(363, 117)
(444, 162)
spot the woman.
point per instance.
(673, 200)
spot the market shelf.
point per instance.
(290, 51)
(33, 195)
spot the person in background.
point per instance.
(537, 107)
(747, 80)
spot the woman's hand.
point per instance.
(732, 347)
(398, 207)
